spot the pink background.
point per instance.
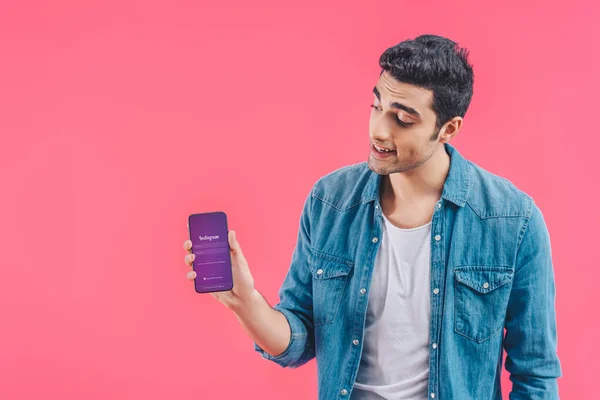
(118, 120)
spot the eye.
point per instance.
(404, 123)
(398, 120)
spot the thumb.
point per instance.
(235, 246)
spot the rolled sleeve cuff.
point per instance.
(298, 341)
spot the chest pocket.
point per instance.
(330, 278)
(480, 299)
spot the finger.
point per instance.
(239, 261)
(191, 275)
(189, 259)
(235, 245)
(223, 295)
(187, 245)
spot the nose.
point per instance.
(381, 136)
(380, 129)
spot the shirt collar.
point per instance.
(456, 186)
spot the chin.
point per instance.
(385, 168)
(379, 168)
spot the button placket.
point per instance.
(437, 267)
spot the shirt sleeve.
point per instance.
(531, 335)
(295, 300)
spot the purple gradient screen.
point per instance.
(208, 233)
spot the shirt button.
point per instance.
(432, 395)
(355, 342)
(439, 204)
(319, 271)
(486, 285)
(375, 240)
(363, 291)
(343, 392)
(437, 237)
(434, 345)
(436, 291)
(376, 205)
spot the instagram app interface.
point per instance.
(208, 233)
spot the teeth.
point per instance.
(384, 150)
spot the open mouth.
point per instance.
(383, 149)
(381, 152)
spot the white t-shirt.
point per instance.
(395, 360)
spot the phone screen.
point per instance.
(210, 245)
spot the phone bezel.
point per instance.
(229, 247)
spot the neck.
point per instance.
(424, 182)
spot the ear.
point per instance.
(450, 129)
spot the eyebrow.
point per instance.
(399, 106)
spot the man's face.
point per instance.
(402, 120)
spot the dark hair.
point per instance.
(435, 63)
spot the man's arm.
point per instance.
(295, 301)
(531, 337)
(263, 324)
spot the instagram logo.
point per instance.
(209, 238)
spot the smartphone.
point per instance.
(210, 245)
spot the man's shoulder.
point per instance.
(492, 195)
(343, 187)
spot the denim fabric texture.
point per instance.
(492, 285)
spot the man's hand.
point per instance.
(243, 283)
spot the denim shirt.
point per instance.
(492, 285)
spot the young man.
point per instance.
(408, 267)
